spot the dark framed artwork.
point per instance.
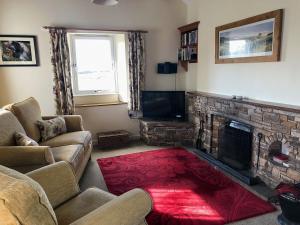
(18, 50)
(255, 39)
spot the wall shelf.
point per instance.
(188, 51)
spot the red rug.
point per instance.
(185, 189)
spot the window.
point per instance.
(98, 64)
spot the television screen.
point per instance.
(164, 105)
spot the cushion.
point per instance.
(24, 198)
(73, 154)
(52, 128)
(81, 205)
(28, 112)
(9, 124)
(72, 138)
(24, 140)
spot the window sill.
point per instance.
(99, 104)
(95, 94)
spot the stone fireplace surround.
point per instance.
(279, 123)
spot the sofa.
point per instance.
(74, 146)
(51, 196)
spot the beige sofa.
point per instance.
(51, 196)
(74, 147)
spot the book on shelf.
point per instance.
(190, 38)
(179, 54)
(193, 37)
(182, 54)
(184, 39)
(193, 54)
(187, 54)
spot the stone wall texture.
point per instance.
(163, 133)
(276, 123)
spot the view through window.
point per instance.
(94, 63)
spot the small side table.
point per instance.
(113, 139)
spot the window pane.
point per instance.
(94, 61)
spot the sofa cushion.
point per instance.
(28, 113)
(72, 138)
(24, 198)
(9, 124)
(24, 140)
(52, 128)
(73, 154)
(81, 205)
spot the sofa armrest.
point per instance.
(73, 122)
(22, 156)
(58, 181)
(130, 208)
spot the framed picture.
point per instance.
(18, 50)
(256, 39)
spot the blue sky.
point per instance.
(248, 30)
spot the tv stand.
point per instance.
(167, 133)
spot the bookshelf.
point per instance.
(188, 51)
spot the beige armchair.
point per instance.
(74, 147)
(60, 201)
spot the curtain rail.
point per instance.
(90, 30)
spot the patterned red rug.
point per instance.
(185, 189)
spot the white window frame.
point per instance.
(76, 90)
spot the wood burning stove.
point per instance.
(235, 145)
(231, 148)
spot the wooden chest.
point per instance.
(112, 139)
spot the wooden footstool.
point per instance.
(113, 139)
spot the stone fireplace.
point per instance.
(279, 125)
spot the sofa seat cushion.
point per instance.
(23, 199)
(73, 154)
(72, 138)
(82, 205)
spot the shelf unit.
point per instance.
(188, 51)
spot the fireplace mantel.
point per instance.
(253, 102)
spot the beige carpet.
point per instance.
(93, 178)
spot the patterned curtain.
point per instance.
(136, 69)
(60, 59)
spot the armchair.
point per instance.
(70, 206)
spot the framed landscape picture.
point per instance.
(256, 39)
(18, 50)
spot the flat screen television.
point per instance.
(163, 105)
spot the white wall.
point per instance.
(160, 17)
(276, 81)
(108, 118)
